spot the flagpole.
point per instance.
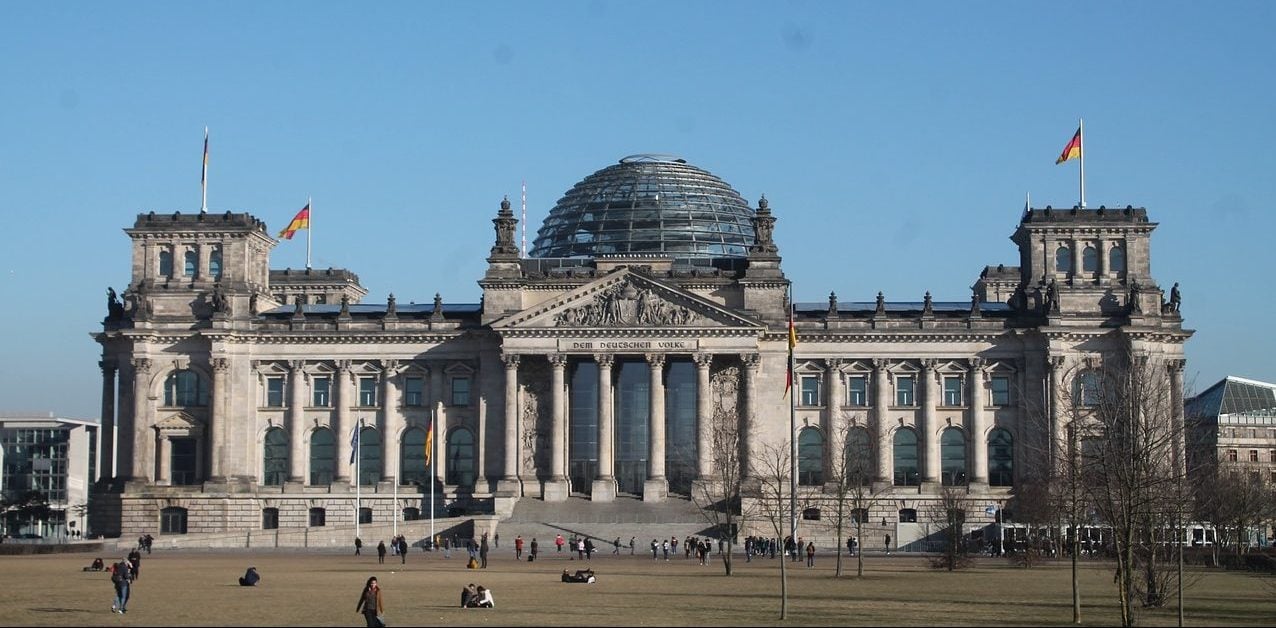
(397, 512)
(310, 226)
(358, 461)
(429, 469)
(793, 479)
(203, 178)
(1081, 135)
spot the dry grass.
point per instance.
(321, 589)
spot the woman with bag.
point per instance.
(370, 604)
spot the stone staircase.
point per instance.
(603, 521)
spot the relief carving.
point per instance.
(626, 304)
(537, 418)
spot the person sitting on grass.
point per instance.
(469, 596)
(485, 598)
(581, 575)
(96, 566)
(250, 578)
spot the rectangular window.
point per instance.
(857, 390)
(322, 396)
(904, 390)
(367, 391)
(810, 390)
(1273, 456)
(414, 391)
(1000, 391)
(1231, 455)
(1253, 455)
(952, 391)
(460, 391)
(274, 392)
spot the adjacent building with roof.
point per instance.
(56, 457)
(1234, 426)
(653, 305)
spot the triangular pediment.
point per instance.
(179, 422)
(626, 299)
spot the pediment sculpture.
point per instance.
(626, 304)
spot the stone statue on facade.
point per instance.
(218, 299)
(391, 308)
(1052, 298)
(1176, 299)
(1132, 301)
(505, 224)
(764, 229)
(626, 304)
(252, 304)
(115, 308)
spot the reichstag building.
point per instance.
(652, 304)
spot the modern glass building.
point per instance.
(54, 458)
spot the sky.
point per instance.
(895, 142)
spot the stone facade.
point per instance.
(238, 387)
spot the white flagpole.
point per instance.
(203, 178)
(1081, 135)
(430, 469)
(793, 393)
(358, 460)
(397, 511)
(310, 226)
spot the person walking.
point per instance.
(370, 604)
(631, 545)
(358, 545)
(483, 553)
(558, 542)
(615, 547)
(135, 564)
(518, 547)
(121, 576)
(496, 540)
(810, 554)
(403, 550)
(580, 549)
(888, 543)
(381, 551)
(535, 549)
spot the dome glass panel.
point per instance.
(649, 204)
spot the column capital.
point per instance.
(834, 363)
(220, 365)
(510, 360)
(928, 364)
(141, 365)
(108, 366)
(751, 360)
(881, 364)
(1055, 362)
(703, 360)
(976, 363)
(656, 360)
(296, 365)
(391, 367)
(343, 365)
(1175, 365)
(604, 360)
(557, 360)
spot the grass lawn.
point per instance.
(198, 588)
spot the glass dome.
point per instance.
(648, 204)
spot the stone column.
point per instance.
(509, 480)
(391, 421)
(296, 421)
(106, 437)
(978, 428)
(704, 416)
(216, 433)
(1102, 246)
(438, 423)
(1175, 369)
(143, 447)
(929, 431)
(1056, 434)
(163, 447)
(881, 411)
(342, 430)
(656, 488)
(556, 489)
(835, 423)
(750, 361)
(604, 488)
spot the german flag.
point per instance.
(788, 376)
(299, 222)
(1072, 150)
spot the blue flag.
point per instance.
(354, 444)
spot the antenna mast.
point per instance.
(524, 218)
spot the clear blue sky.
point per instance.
(895, 141)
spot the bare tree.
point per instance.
(948, 514)
(719, 496)
(1131, 438)
(773, 472)
(851, 483)
(1237, 500)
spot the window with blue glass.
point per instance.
(321, 391)
(1086, 392)
(322, 457)
(999, 388)
(185, 388)
(905, 451)
(810, 390)
(191, 262)
(166, 263)
(215, 263)
(810, 457)
(904, 390)
(414, 391)
(367, 391)
(275, 457)
(857, 391)
(1090, 259)
(1001, 458)
(274, 392)
(1063, 260)
(952, 391)
(460, 391)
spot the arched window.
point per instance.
(1116, 259)
(215, 263)
(1090, 259)
(460, 458)
(166, 263)
(1063, 260)
(412, 457)
(173, 520)
(952, 457)
(274, 465)
(906, 458)
(810, 457)
(1085, 389)
(1001, 458)
(191, 262)
(369, 456)
(322, 462)
(411, 514)
(185, 388)
(860, 467)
